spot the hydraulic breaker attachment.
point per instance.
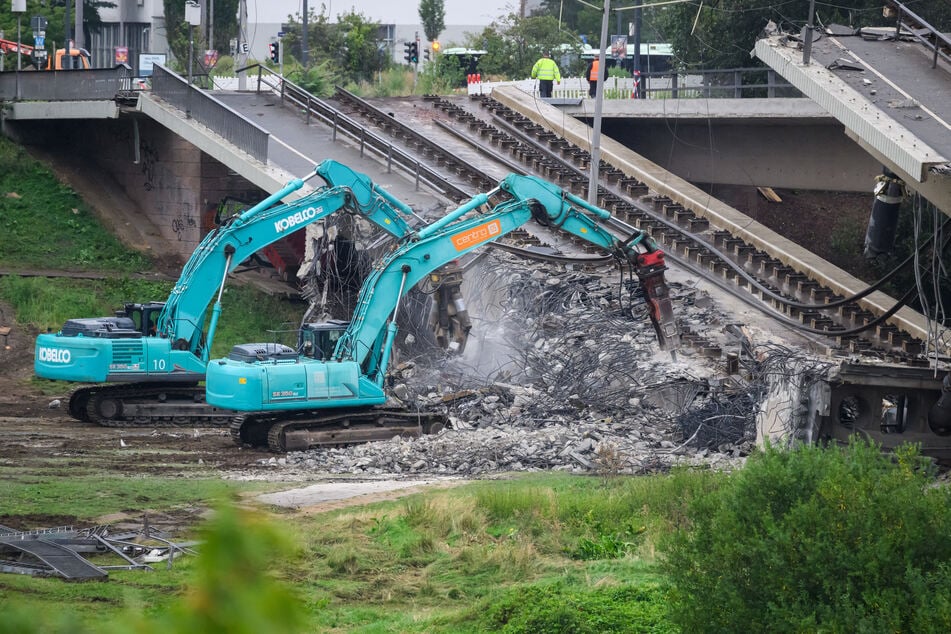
(450, 319)
(650, 272)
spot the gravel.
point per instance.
(562, 373)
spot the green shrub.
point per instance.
(317, 80)
(834, 540)
(556, 609)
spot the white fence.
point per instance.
(733, 83)
(569, 88)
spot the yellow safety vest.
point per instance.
(546, 68)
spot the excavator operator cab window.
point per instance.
(144, 316)
(318, 340)
(135, 313)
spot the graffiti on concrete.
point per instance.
(148, 158)
(182, 224)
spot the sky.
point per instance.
(458, 12)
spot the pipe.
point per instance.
(216, 309)
(476, 201)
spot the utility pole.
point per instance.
(211, 24)
(810, 24)
(68, 27)
(18, 7)
(303, 37)
(242, 60)
(80, 40)
(121, 41)
(637, 50)
(598, 103)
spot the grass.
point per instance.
(46, 304)
(47, 225)
(86, 496)
(441, 561)
(455, 560)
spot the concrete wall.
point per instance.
(173, 186)
(813, 155)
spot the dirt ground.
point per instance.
(38, 434)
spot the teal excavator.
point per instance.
(331, 389)
(148, 360)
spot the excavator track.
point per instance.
(147, 405)
(297, 431)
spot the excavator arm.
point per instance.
(117, 350)
(529, 198)
(238, 238)
(275, 381)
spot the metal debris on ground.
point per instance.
(85, 554)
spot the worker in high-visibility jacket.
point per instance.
(546, 71)
(592, 76)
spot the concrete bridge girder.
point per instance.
(883, 137)
(784, 143)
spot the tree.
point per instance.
(721, 35)
(177, 30)
(352, 49)
(513, 44)
(433, 15)
(574, 17)
(837, 539)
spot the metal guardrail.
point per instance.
(99, 84)
(205, 109)
(366, 140)
(733, 83)
(938, 42)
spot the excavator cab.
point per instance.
(317, 340)
(144, 316)
(74, 59)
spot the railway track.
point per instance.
(787, 283)
(794, 296)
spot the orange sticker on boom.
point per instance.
(477, 235)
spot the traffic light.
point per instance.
(408, 52)
(435, 47)
(275, 49)
(414, 52)
(426, 54)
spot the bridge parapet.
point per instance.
(208, 111)
(100, 84)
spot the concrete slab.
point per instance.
(63, 110)
(354, 492)
(297, 145)
(792, 111)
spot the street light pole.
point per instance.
(18, 7)
(598, 103)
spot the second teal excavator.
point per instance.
(295, 399)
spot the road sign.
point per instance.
(39, 41)
(280, 33)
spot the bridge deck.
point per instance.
(885, 92)
(896, 77)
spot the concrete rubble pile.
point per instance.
(559, 374)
